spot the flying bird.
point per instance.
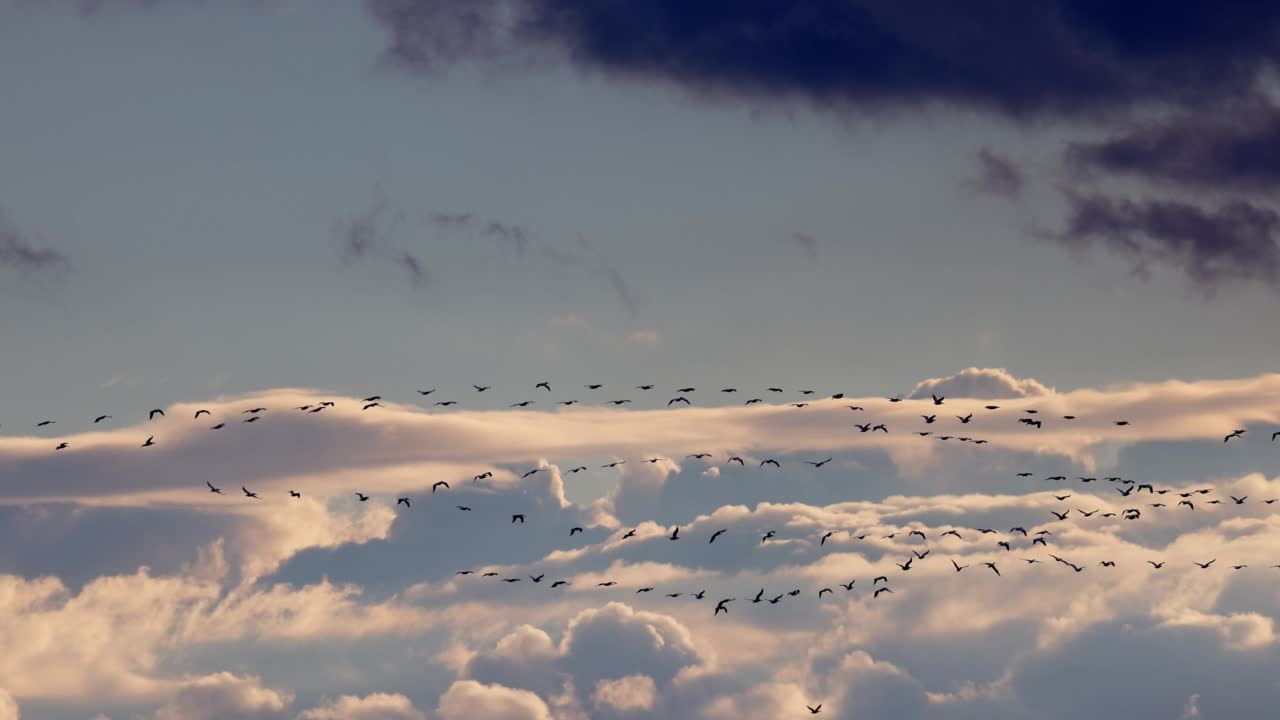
(363, 497)
(403, 501)
(213, 489)
(437, 484)
(715, 535)
(249, 494)
(150, 441)
(152, 415)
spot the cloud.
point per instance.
(8, 706)
(983, 383)
(19, 250)
(1232, 150)
(804, 241)
(626, 694)
(366, 235)
(1020, 59)
(644, 337)
(470, 700)
(1235, 243)
(377, 706)
(999, 175)
(517, 237)
(1192, 709)
(225, 697)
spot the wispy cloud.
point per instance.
(22, 250)
(998, 175)
(367, 235)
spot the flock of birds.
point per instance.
(1032, 418)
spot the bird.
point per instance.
(753, 401)
(255, 418)
(686, 390)
(150, 441)
(863, 428)
(1060, 515)
(481, 388)
(952, 532)
(219, 426)
(152, 415)
(510, 580)
(1156, 565)
(823, 590)
(518, 516)
(426, 392)
(574, 530)
(993, 567)
(715, 535)
(537, 578)
(614, 464)
(675, 534)
(644, 387)
(62, 446)
(905, 566)
(201, 412)
(767, 536)
(447, 403)
(630, 533)
(876, 594)
(878, 579)
(991, 407)
(530, 473)
(699, 456)
(674, 400)
(437, 484)
(921, 555)
(567, 403)
(544, 385)
(295, 494)
(824, 537)
(213, 489)
(769, 461)
(815, 710)
(371, 405)
(758, 596)
(249, 494)
(618, 402)
(937, 400)
(403, 501)
(885, 428)
(964, 419)
(482, 476)
(1121, 423)
(595, 386)
(1205, 566)
(929, 419)
(729, 390)
(609, 583)
(1239, 500)
(849, 585)
(1024, 474)
(464, 572)
(736, 458)
(255, 411)
(42, 423)
(362, 497)
(799, 405)
(523, 403)
(1234, 434)
(100, 418)
(720, 606)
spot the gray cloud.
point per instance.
(367, 235)
(998, 175)
(19, 250)
(1237, 149)
(1236, 243)
(805, 241)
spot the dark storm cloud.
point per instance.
(998, 175)
(20, 250)
(1236, 242)
(1065, 57)
(1232, 150)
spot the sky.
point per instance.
(1063, 206)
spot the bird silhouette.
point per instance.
(815, 710)
(437, 484)
(152, 415)
(362, 497)
(720, 606)
(403, 501)
(295, 494)
(715, 535)
(876, 594)
(249, 494)
(518, 516)
(150, 441)
(213, 489)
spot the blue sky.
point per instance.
(838, 197)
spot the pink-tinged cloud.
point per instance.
(470, 700)
(376, 706)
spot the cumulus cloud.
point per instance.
(8, 706)
(626, 694)
(225, 696)
(984, 383)
(377, 706)
(470, 700)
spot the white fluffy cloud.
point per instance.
(225, 697)
(377, 706)
(470, 700)
(92, 615)
(8, 706)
